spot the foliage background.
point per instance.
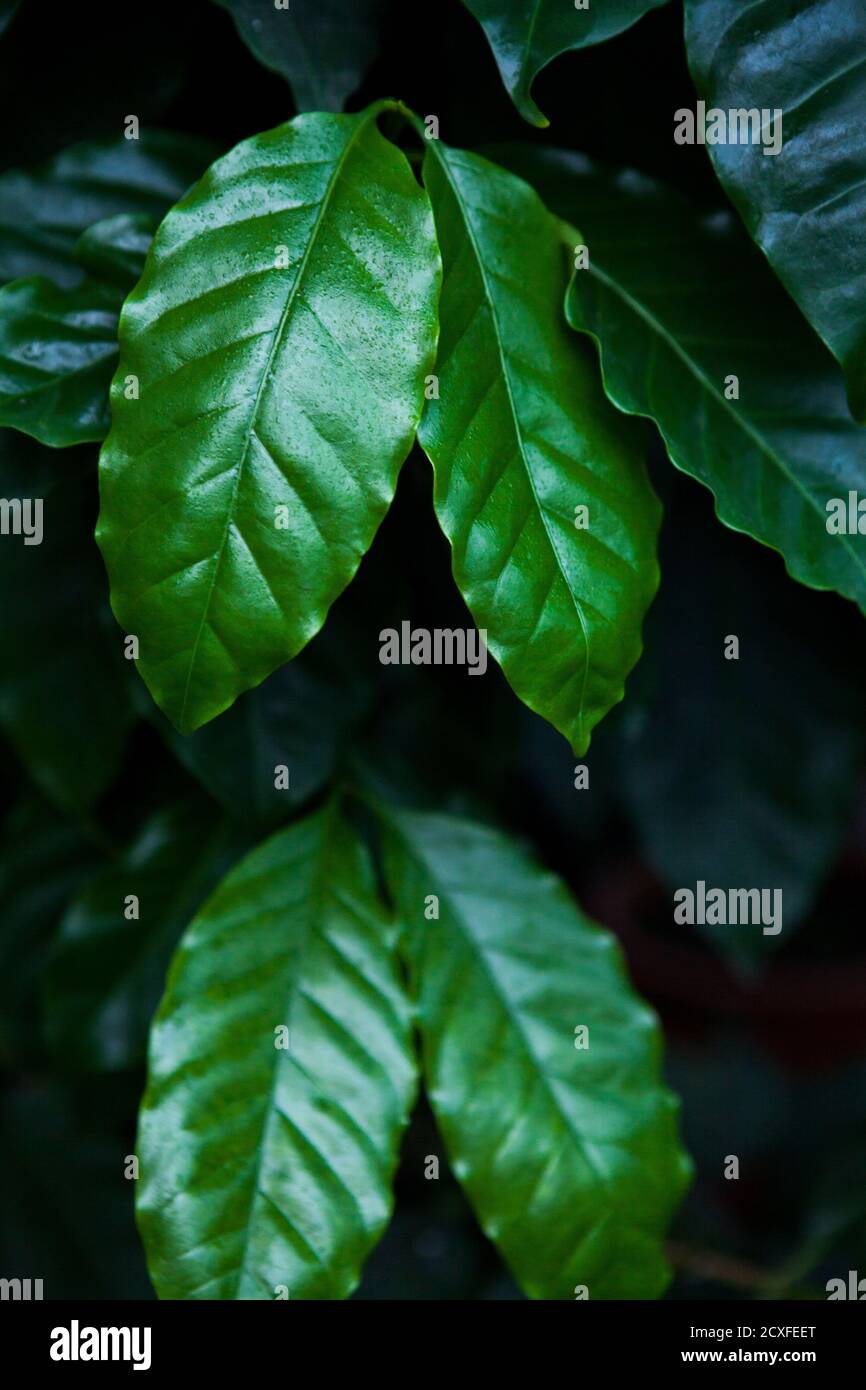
(768, 1054)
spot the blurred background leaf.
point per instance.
(43, 859)
(301, 718)
(7, 12)
(58, 345)
(45, 209)
(742, 772)
(63, 696)
(107, 970)
(65, 1205)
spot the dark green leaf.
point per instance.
(526, 35)
(568, 1154)
(115, 248)
(62, 1180)
(520, 437)
(43, 860)
(7, 12)
(806, 204)
(321, 47)
(58, 353)
(44, 210)
(264, 388)
(298, 719)
(108, 970)
(678, 310)
(58, 346)
(742, 773)
(63, 701)
(267, 1167)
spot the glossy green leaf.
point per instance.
(569, 1154)
(63, 701)
(805, 205)
(281, 334)
(520, 438)
(58, 353)
(526, 35)
(321, 47)
(44, 210)
(676, 313)
(718, 761)
(267, 1167)
(108, 969)
(58, 345)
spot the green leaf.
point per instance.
(115, 248)
(676, 312)
(58, 353)
(321, 47)
(62, 665)
(718, 760)
(263, 1165)
(521, 436)
(44, 210)
(805, 205)
(58, 345)
(264, 388)
(107, 970)
(526, 35)
(569, 1155)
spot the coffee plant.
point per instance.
(255, 839)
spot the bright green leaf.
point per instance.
(526, 35)
(281, 1076)
(568, 1152)
(522, 438)
(280, 337)
(44, 210)
(805, 204)
(321, 47)
(679, 311)
(110, 955)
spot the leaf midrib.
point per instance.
(265, 379)
(488, 295)
(321, 894)
(318, 897)
(505, 1003)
